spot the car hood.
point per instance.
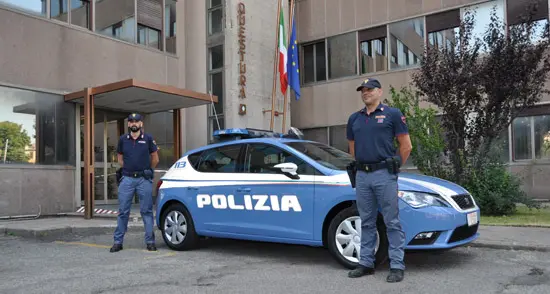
(420, 183)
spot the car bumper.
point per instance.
(440, 228)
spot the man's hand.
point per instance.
(405, 147)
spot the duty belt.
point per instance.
(371, 167)
(137, 174)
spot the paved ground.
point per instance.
(84, 265)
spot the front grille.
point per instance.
(464, 201)
(463, 232)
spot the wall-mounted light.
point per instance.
(242, 109)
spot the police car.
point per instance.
(264, 186)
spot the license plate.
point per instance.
(472, 219)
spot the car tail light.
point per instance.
(158, 185)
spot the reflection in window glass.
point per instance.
(373, 56)
(37, 7)
(35, 128)
(59, 10)
(160, 125)
(342, 57)
(216, 57)
(216, 86)
(261, 158)
(219, 160)
(170, 26)
(215, 21)
(406, 43)
(116, 18)
(542, 135)
(482, 17)
(521, 130)
(80, 13)
(148, 36)
(314, 62)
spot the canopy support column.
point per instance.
(177, 134)
(89, 170)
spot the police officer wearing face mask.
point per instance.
(371, 132)
(137, 155)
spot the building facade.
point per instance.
(227, 48)
(343, 42)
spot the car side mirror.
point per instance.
(289, 169)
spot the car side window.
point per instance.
(219, 160)
(261, 158)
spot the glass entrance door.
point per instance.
(106, 126)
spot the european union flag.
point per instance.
(292, 66)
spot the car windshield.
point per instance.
(326, 155)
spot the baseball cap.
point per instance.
(369, 83)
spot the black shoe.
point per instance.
(151, 247)
(395, 275)
(360, 271)
(116, 248)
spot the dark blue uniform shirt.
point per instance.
(136, 153)
(374, 134)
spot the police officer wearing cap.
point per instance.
(371, 132)
(137, 155)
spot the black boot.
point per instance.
(360, 271)
(395, 275)
(116, 248)
(151, 247)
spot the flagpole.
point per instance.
(290, 23)
(275, 63)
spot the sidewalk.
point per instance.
(513, 238)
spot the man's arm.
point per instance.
(119, 151)
(120, 159)
(401, 131)
(350, 135)
(153, 151)
(351, 145)
(405, 147)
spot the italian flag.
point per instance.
(282, 54)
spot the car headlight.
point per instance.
(418, 199)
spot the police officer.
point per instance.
(137, 155)
(371, 132)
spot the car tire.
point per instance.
(190, 238)
(349, 215)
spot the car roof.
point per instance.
(244, 141)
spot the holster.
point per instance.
(118, 175)
(393, 164)
(352, 172)
(148, 174)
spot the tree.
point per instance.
(481, 85)
(17, 140)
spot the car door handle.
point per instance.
(193, 188)
(243, 190)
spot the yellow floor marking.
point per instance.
(84, 244)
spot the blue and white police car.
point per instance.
(263, 186)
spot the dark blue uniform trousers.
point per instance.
(126, 189)
(379, 189)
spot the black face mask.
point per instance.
(134, 128)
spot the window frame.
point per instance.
(302, 63)
(209, 11)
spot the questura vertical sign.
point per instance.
(242, 47)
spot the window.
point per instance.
(148, 37)
(220, 160)
(516, 9)
(315, 65)
(482, 16)
(116, 18)
(215, 17)
(170, 26)
(342, 57)
(37, 7)
(216, 87)
(261, 158)
(373, 50)
(406, 43)
(36, 128)
(443, 29)
(325, 155)
(531, 137)
(59, 10)
(521, 130)
(80, 13)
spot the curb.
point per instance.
(500, 246)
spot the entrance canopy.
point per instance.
(144, 97)
(126, 97)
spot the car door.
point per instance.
(213, 186)
(275, 206)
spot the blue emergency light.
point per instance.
(249, 133)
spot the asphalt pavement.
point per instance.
(84, 265)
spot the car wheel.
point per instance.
(344, 238)
(178, 230)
